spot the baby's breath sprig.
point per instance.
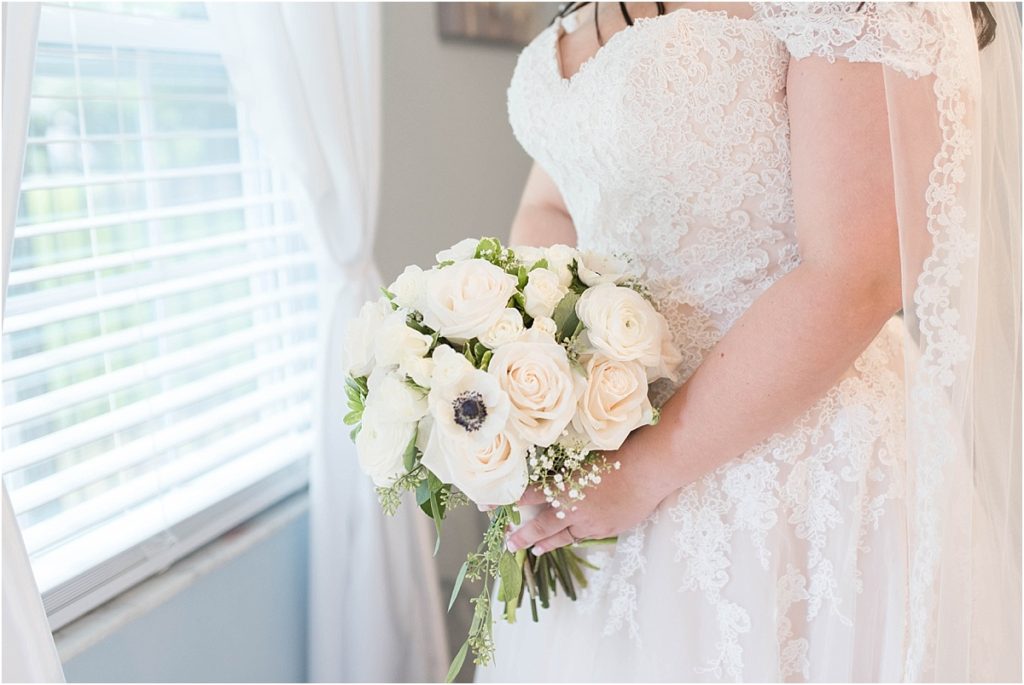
(492, 250)
(564, 472)
(640, 288)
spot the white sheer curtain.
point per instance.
(309, 75)
(28, 649)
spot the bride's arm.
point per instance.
(797, 339)
(542, 218)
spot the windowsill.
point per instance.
(106, 619)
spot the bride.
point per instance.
(824, 199)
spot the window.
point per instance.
(159, 338)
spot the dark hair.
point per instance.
(984, 22)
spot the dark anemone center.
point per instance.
(470, 410)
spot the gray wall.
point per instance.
(243, 622)
(451, 169)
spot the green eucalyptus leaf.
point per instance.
(457, 662)
(511, 577)
(353, 417)
(458, 584)
(423, 495)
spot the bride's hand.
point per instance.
(624, 498)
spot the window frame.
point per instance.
(89, 588)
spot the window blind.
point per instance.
(159, 334)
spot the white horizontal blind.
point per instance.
(158, 342)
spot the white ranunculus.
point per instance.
(543, 292)
(408, 288)
(507, 328)
(459, 252)
(543, 389)
(528, 254)
(545, 325)
(493, 472)
(595, 268)
(615, 401)
(420, 370)
(622, 324)
(466, 403)
(397, 343)
(449, 366)
(465, 299)
(381, 445)
(560, 257)
(389, 392)
(360, 338)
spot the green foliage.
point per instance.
(391, 497)
(356, 391)
(477, 353)
(565, 317)
(492, 250)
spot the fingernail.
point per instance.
(511, 546)
(537, 550)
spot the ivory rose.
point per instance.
(560, 258)
(492, 472)
(543, 292)
(615, 401)
(507, 328)
(541, 386)
(464, 300)
(545, 325)
(622, 324)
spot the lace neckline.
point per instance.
(557, 30)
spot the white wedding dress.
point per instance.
(671, 145)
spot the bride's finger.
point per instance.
(560, 539)
(530, 533)
(532, 496)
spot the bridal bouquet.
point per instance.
(497, 370)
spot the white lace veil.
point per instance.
(954, 122)
(954, 115)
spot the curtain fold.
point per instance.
(29, 652)
(309, 76)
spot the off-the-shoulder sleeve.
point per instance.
(904, 36)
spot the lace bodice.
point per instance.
(671, 145)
